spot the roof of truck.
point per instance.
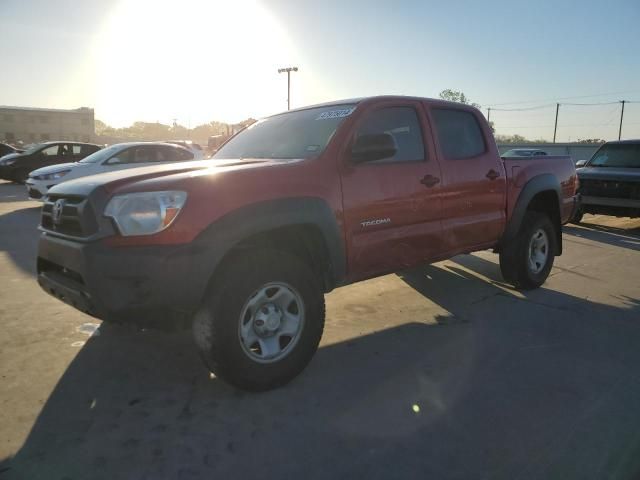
(351, 101)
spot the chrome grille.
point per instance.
(68, 215)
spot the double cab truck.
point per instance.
(243, 247)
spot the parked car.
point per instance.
(610, 181)
(116, 157)
(523, 152)
(243, 248)
(195, 148)
(6, 149)
(16, 166)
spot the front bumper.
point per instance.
(36, 190)
(147, 286)
(618, 207)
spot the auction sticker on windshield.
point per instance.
(343, 112)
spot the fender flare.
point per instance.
(538, 184)
(221, 236)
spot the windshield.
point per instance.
(300, 134)
(101, 155)
(617, 155)
(34, 148)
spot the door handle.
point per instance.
(429, 181)
(492, 174)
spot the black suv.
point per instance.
(610, 181)
(16, 166)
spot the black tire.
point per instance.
(577, 216)
(514, 258)
(21, 176)
(216, 325)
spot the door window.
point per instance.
(51, 151)
(459, 133)
(177, 154)
(403, 124)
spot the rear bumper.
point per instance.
(146, 286)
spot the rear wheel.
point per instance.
(262, 320)
(527, 261)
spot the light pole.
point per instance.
(288, 70)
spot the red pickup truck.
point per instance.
(244, 246)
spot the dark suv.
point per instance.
(16, 166)
(610, 181)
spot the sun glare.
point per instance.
(193, 60)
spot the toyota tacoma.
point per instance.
(243, 247)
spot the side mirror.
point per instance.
(373, 147)
(114, 161)
(581, 163)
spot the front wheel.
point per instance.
(21, 176)
(527, 261)
(577, 216)
(262, 321)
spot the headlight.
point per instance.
(52, 176)
(8, 161)
(144, 213)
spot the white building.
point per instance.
(31, 125)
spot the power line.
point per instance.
(522, 109)
(560, 98)
(590, 104)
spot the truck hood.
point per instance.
(110, 181)
(56, 168)
(608, 173)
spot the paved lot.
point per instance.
(442, 372)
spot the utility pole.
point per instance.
(488, 114)
(621, 117)
(555, 128)
(288, 70)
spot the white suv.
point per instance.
(115, 157)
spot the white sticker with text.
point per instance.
(343, 112)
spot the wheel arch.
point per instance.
(541, 194)
(306, 227)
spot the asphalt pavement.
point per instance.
(441, 372)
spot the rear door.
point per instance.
(392, 207)
(138, 156)
(169, 153)
(473, 179)
(76, 152)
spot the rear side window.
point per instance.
(403, 124)
(88, 149)
(459, 133)
(51, 151)
(179, 154)
(77, 149)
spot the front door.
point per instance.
(392, 206)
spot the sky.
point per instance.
(200, 60)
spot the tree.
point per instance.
(456, 96)
(590, 140)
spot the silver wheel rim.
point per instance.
(538, 251)
(270, 322)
